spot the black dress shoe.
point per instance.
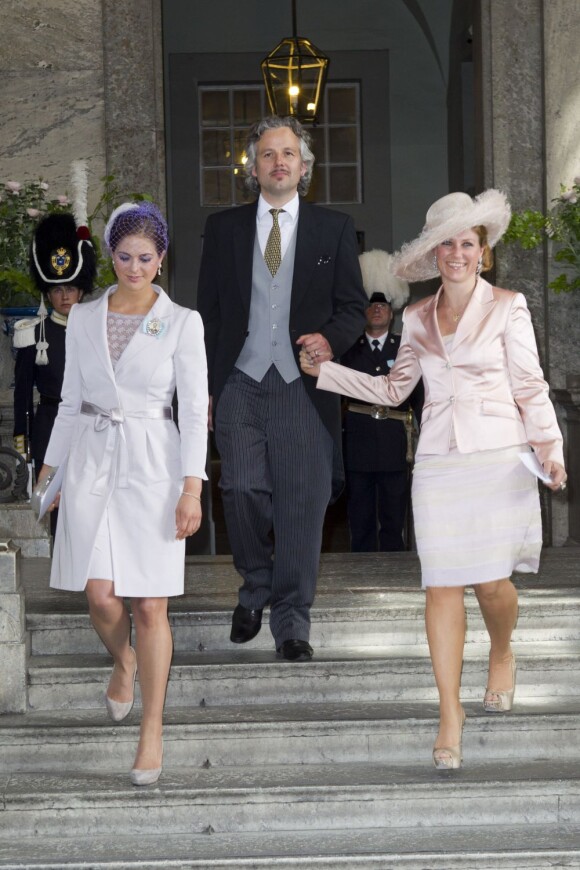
(245, 624)
(295, 650)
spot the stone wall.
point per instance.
(81, 78)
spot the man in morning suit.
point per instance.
(378, 446)
(277, 275)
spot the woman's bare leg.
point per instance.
(498, 601)
(154, 645)
(445, 623)
(111, 621)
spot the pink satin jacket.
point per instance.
(487, 388)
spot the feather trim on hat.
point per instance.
(448, 216)
(378, 277)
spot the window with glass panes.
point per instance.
(226, 113)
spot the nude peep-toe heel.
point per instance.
(500, 702)
(450, 757)
(119, 710)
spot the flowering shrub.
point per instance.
(21, 207)
(562, 226)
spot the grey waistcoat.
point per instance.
(268, 341)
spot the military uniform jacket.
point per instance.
(376, 445)
(47, 380)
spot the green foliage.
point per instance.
(21, 207)
(561, 225)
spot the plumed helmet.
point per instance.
(380, 284)
(61, 253)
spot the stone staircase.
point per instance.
(325, 764)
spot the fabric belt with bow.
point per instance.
(115, 455)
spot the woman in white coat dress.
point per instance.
(475, 504)
(132, 486)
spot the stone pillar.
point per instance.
(14, 642)
(513, 134)
(133, 86)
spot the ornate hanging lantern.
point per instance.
(295, 74)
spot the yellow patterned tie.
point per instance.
(273, 251)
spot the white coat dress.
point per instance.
(125, 465)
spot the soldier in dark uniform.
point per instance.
(378, 449)
(63, 266)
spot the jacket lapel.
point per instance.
(307, 244)
(96, 330)
(428, 315)
(478, 307)
(244, 237)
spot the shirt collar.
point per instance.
(380, 338)
(290, 207)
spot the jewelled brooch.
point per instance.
(154, 327)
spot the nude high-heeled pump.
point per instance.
(119, 710)
(500, 702)
(450, 757)
(147, 777)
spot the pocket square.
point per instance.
(324, 259)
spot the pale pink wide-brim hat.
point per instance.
(448, 216)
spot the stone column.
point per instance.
(133, 84)
(14, 642)
(513, 134)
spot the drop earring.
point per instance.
(479, 267)
(159, 269)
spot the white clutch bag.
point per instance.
(45, 493)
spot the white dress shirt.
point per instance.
(287, 221)
(380, 338)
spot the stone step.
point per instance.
(18, 523)
(248, 677)
(515, 847)
(398, 621)
(290, 798)
(371, 733)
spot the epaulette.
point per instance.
(24, 332)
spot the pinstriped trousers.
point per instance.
(276, 478)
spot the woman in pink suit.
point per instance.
(475, 503)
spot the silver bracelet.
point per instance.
(192, 494)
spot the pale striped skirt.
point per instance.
(477, 516)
